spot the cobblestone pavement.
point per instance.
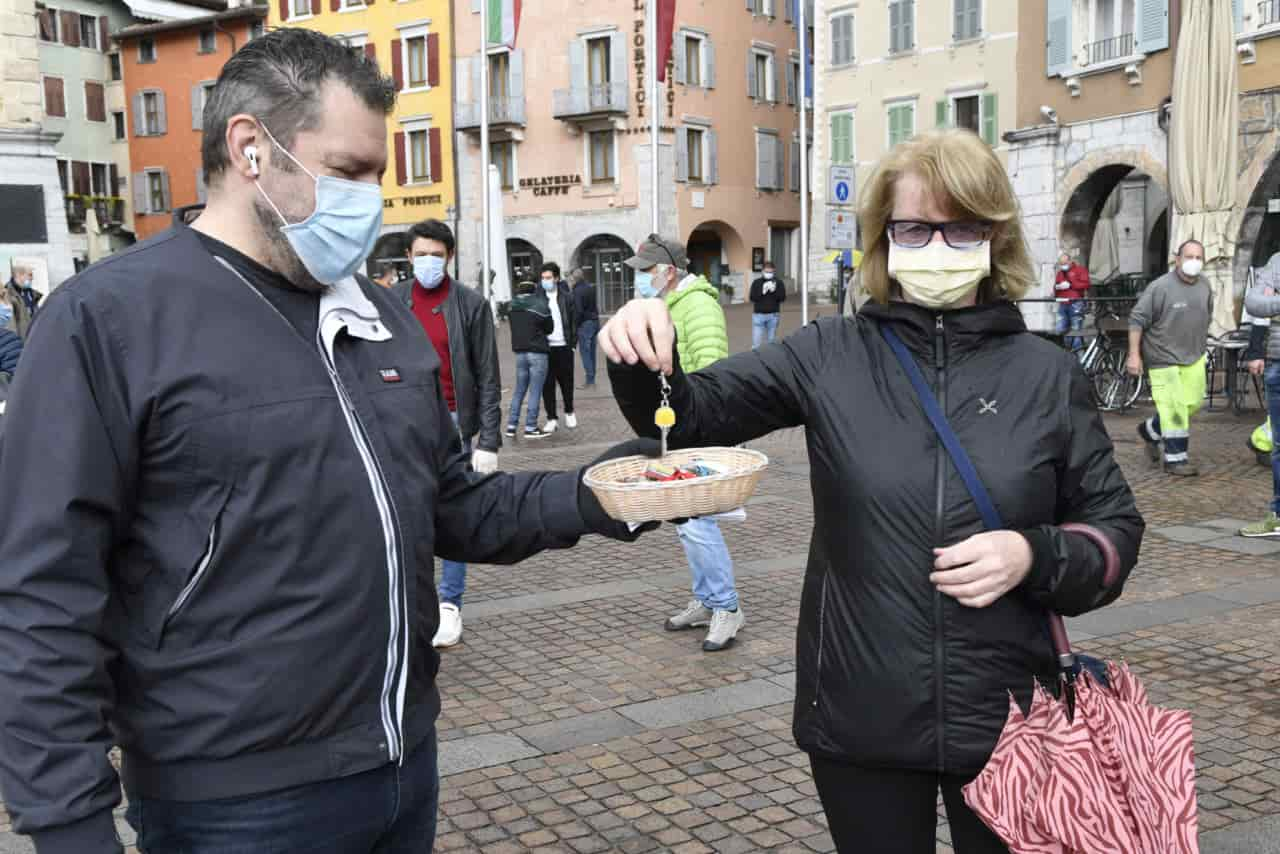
(573, 723)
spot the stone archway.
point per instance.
(601, 255)
(1257, 233)
(713, 243)
(1086, 187)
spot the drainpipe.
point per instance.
(453, 131)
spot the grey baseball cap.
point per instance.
(658, 250)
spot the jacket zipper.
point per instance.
(201, 566)
(822, 631)
(939, 648)
(391, 725)
(391, 722)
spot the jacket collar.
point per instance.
(965, 328)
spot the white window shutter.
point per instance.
(791, 83)
(682, 154)
(762, 154)
(197, 114)
(795, 165)
(713, 157)
(201, 193)
(709, 64)
(779, 165)
(1237, 12)
(515, 84)
(895, 26)
(908, 24)
(1058, 36)
(682, 45)
(139, 116)
(1151, 25)
(751, 75)
(776, 95)
(140, 193)
(164, 183)
(163, 121)
(618, 63)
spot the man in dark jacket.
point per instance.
(767, 296)
(587, 314)
(560, 348)
(531, 323)
(216, 547)
(460, 326)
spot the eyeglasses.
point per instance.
(915, 234)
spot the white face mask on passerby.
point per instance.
(937, 276)
(1192, 267)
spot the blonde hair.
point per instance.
(965, 178)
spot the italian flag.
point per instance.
(504, 20)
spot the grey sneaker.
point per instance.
(724, 628)
(695, 615)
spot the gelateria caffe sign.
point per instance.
(551, 185)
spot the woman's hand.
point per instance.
(641, 331)
(983, 568)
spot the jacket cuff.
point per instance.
(1044, 558)
(96, 834)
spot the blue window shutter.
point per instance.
(1058, 62)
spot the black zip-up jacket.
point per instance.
(531, 322)
(216, 540)
(891, 673)
(473, 352)
(770, 303)
(585, 308)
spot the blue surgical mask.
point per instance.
(548, 285)
(6, 314)
(645, 289)
(335, 240)
(429, 271)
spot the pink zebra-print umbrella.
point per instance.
(1118, 776)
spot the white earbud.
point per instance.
(251, 154)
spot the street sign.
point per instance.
(840, 229)
(841, 189)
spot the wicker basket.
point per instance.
(635, 503)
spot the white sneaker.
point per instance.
(570, 420)
(549, 427)
(724, 628)
(450, 631)
(695, 615)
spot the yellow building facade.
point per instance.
(411, 41)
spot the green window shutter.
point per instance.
(990, 120)
(940, 112)
(895, 126)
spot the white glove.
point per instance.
(484, 462)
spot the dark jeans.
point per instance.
(1272, 377)
(389, 810)
(587, 333)
(895, 812)
(559, 373)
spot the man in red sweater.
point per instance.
(1071, 287)
(460, 326)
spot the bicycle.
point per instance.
(1105, 364)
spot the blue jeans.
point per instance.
(710, 563)
(389, 810)
(453, 575)
(1272, 379)
(531, 374)
(1071, 318)
(763, 326)
(587, 333)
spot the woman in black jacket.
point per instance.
(915, 622)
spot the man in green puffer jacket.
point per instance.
(701, 338)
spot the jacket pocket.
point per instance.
(197, 574)
(822, 626)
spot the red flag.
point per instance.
(666, 29)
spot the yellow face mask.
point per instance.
(937, 276)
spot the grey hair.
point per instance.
(277, 79)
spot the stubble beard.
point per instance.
(280, 254)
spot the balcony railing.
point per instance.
(109, 211)
(1110, 49)
(1268, 13)
(504, 110)
(582, 101)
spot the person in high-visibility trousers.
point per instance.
(1262, 300)
(1168, 329)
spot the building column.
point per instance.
(1033, 167)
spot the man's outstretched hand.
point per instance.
(593, 514)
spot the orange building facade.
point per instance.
(169, 69)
